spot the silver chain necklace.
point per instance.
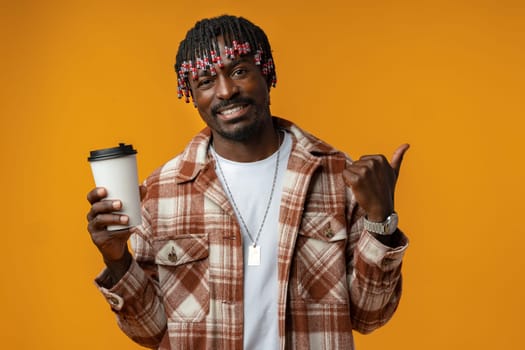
(254, 241)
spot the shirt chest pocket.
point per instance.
(182, 264)
(320, 260)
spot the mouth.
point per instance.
(232, 111)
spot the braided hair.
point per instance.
(200, 49)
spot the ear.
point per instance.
(192, 95)
(268, 80)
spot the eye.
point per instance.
(204, 82)
(239, 72)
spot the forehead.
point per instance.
(218, 53)
(209, 54)
(215, 47)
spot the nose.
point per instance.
(225, 87)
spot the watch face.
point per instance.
(386, 227)
(391, 223)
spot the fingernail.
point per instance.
(124, 219)
(116, 204)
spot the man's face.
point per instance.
(234, 103)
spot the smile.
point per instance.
(231, 112)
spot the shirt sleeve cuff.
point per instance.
(125, 289)
(375, 252)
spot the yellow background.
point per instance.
(445, 76)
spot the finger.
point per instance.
(397, 157)
(352, 176)
(116, 234)
(96, 194)
(104, 206)
(372, 157)
(101, 221)
(367, 165)
(355, 168)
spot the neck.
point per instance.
(260, 146)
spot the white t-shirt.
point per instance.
(250, 185)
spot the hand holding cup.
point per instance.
(115, 202)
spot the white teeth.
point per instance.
(231, 110)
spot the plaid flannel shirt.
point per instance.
(184, 287)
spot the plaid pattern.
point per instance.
(184, 288)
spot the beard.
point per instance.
(243, 131)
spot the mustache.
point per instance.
(236, 100)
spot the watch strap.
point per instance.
(387, 227)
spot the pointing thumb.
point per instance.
(397, 157)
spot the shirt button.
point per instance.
(172, 257)
(329, 233)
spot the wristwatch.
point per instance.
(384, 228)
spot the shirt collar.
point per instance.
(195, 156)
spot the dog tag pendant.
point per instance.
(254, 255)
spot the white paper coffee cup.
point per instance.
(116, 170)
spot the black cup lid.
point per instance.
(108, 153)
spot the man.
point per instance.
(258, 235)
